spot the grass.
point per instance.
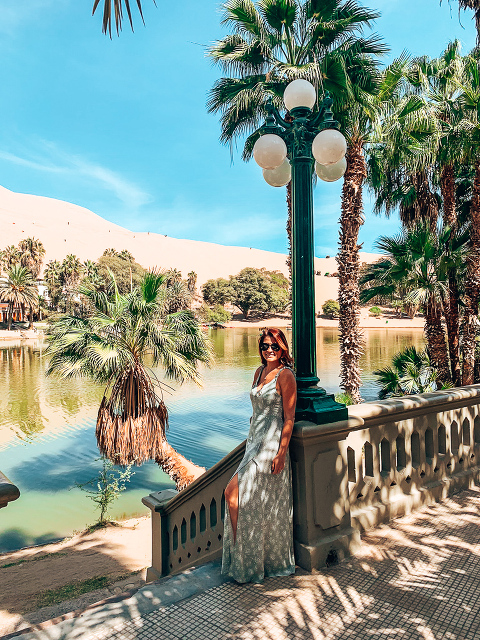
(22, 560)
(76, 589)
(73, 590)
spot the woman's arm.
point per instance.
(288, 388)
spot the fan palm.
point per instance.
(411, 372)
(419, 260)
(9, 257)
(52, 278)
(18, 288)
(475, 6)
(72, 270)
(276, 41)
(113, 12)
(470, 126)
(114, 345)
(32, 252)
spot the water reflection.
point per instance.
(47, 426)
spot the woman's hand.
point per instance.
(278, 463)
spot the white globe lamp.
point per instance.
(329, 146)
(269, 151)
(331, 172)
(299, 93)
(280, 176)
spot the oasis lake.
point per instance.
(47, 426)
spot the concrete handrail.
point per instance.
(387, 458)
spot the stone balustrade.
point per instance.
(387, 458)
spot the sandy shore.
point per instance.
(114, 552)
(367, 321)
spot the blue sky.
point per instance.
(120, 126)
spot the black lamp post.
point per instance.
(288, 150)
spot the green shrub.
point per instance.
(344, 398)
(331, 308)
(218, 314)
(375, 311)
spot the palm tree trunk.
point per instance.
(181, 471)
(452, 319)
(437, 347)
(472, 285)
(351, 338)
(447, 185)
(10, 315)
(30, 317)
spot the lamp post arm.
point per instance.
(273, 114)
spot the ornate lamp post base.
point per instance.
(316, 405)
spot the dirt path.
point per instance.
(119, 555)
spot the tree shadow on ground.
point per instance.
(416, 579)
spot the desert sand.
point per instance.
(66, 228)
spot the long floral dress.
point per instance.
(264, 541)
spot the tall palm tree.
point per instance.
(9, 257)
(113, 13)
(470, 125)
(419, 260)
(276, 41)
(435, 158)
(115, 345)
(32, 252)
(52, 277)
(18, 288)
(72, 270)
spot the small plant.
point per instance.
(331, 308)
(375, 311)
(344, 398)
(105, 488)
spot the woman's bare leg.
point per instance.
(231, 497)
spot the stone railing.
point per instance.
(387, 458)
(187, 527)
(8, 491)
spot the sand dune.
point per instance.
(67, 228)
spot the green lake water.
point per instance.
(47, 426)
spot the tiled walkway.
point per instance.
(418, 578)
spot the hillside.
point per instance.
(67, 228)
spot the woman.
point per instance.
(258, 534)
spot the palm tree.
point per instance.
(113, 11)
(192, 281)
(470, 126)
(475, 6)
(411, 372)
(419, 260)
(113, 253)
(9, 257)
(278, 41)
(126, 255)
(18, 288)
(113, 346)
(72, 270)
(32, 252)
(52, 277)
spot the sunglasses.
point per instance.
(266, 347)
